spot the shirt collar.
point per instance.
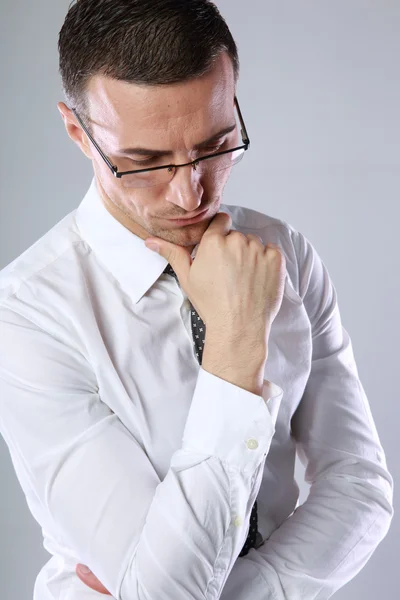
(123, 253)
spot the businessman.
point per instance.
(153, 398)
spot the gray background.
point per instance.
(320, 94)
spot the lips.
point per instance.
(190, 218)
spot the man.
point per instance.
(153, 402)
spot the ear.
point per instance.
(74, 130)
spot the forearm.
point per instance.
(321, 546)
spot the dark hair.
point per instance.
(150, 42)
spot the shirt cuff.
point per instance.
(230, 422)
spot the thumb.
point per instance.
(178, 257)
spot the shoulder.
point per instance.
(41, 259)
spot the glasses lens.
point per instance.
(148, 178)
(221, 162)
(162, 176)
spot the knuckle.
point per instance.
(237, 236)
(252, 237)
(274, 250)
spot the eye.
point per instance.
(151, 161)
(148, 161)
(213, 148)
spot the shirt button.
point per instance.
(252, 444)
(237, 522)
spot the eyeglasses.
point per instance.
(156, 175)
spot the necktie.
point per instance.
(254, 538)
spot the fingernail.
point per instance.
(84, 569)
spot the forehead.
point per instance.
(120, 111)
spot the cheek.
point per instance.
(139, 202)
(145, 203)
(216, 181)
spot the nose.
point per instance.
(185, 189)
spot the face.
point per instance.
(172, 118)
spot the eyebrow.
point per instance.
(149, 152)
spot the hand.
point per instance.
(235, 283)
(91, 580)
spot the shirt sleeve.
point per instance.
(332, 535)
(98, 492)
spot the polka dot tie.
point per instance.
(254, 538)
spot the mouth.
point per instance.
(180, 222)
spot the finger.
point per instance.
(253, 236)
(91, 580)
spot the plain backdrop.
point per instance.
(320, 95)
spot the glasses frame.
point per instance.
(194, 163)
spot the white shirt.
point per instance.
(140, 464)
